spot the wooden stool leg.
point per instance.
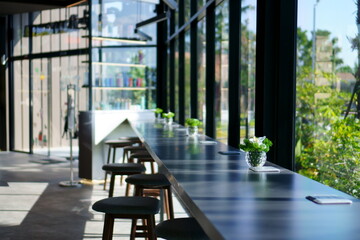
(108, 227)
(152, 167)
(170, 203)
(123, 159)
(108, 161)
(127, 190)
(165, 205)
(105, 179)
(112, 180)
(133, 229)
(109, 153)
(114, 154)
(151, 227)
(124, 155)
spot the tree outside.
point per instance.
(327, 142)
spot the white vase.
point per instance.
(255, 158)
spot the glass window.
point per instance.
(187, 75)
(327, 119)
(41, 82)
(17, 34)
(124, 78)
(55, 38)
(117, 19)
(21, 106)
(201, 3)
(64, 33)
(83, 31)
(176, 19)
(74, 37)
(37, 33)
(168, 69)
(222, 71)
(176, 82)
(187, 10)
(47, 32)
(201, 56)
(24, 31)
(248, 59)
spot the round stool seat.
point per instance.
(124, 167)
(148, 180)
(140, 154)
(180, 229)
(127, 205)
(132, 139)
(135, 148)
(119, 143)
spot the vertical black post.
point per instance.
(172, 64)
(210, 71)
(161, 59)
(181, 117)
(193, 64)
(276, 78)
(234, 72)
(3, 138)
(90, 104)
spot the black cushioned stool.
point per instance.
(132, 139)
(153, 181)
(122, 169)
(113, 145)
(132, 149)
(142, 157)
(181, 229)
(129, 208)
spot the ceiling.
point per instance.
(20, 6)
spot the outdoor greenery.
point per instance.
(327, 142)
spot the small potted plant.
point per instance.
(192, 126)
(255, 150)
(158, 112)
(168, 117)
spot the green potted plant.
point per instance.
(192, 126)
(158, 112)
(255, 150)
(168, 117)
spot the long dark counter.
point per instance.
(232, 202)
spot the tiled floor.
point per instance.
(34, 206)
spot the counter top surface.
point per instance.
(232, 202)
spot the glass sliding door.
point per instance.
(51, 76)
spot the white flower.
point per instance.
(257, 140)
